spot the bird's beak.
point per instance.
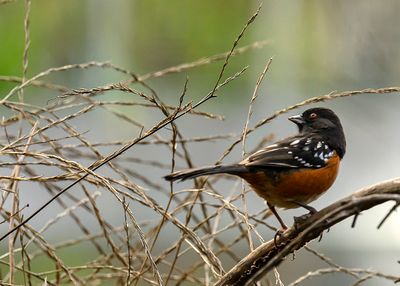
(298, 119)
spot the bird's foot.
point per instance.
(279, 237)
(300, 219)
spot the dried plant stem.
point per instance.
(13, 187)
(249, 113)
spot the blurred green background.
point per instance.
(317, 47)
(316, 44)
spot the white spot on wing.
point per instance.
(295, 142)
(272, 146)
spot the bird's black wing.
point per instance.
(293, 152)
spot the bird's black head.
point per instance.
(325, 123)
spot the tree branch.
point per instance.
(268, 255)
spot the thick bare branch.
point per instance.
(269, 255)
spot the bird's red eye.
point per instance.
(313, 115)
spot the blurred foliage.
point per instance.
(330, 44)
(181, 31)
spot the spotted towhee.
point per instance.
(293, 172)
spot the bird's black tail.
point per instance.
(204, 171)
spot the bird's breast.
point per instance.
(303, 185)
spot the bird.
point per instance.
(292, 172)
